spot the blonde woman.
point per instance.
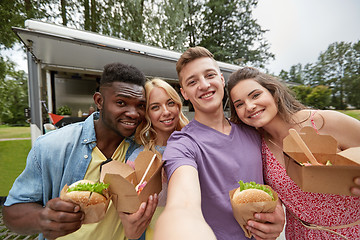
(163, 117)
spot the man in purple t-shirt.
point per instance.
(206, 159)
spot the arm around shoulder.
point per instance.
(182, 217)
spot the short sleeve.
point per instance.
(180, 150)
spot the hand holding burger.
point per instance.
(250, 198)
(92, 198)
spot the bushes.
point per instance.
(318, 97)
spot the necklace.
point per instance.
(272, 142)
(279, 156)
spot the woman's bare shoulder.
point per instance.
(335, 120)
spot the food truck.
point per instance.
(65, 66)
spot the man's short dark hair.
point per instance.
(118, 72)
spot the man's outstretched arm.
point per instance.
(182, 217)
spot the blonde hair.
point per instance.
(145, 133)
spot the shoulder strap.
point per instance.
(313, 122)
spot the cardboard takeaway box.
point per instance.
(123, 179)
(334, 179)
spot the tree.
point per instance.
(295, 74)
(13, 93)
(11, 14)
(193, 22)
(284, 75)
(352, 89)
(337, 68)
(165, 24)
(14, 13)
(232, 35)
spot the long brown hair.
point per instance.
(286, 102)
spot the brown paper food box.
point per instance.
(123, 179)
(334, 179)
(93, 213)
(243, 212)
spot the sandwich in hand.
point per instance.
(93, 198)
(250, 198)
(87, 192)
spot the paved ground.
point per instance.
(11, 139)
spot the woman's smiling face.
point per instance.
(163, 111)
(254, 104)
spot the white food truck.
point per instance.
(65, 66)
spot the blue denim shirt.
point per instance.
(57, 158)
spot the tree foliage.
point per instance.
(319, 97)
(227, 28)
(230, 32)
(301, 92)
(13, 93)
(337, 69)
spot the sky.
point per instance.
(299, 30)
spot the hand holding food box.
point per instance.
(123, 180)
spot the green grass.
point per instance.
(352, 113)
(14, 132)
(13, 159)
(13, 155)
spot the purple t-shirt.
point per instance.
(221, 161)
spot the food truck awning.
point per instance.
(56, 46)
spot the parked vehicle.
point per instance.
(65, 65)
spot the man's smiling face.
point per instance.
(203, 84)
(122, 107)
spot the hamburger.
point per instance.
(87, 192)
(251, 198)
(252, 192)
(93, 198)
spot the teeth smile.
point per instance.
(129, 123)
(167, 121)
(207, 95)
(256, 114)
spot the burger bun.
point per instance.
(250, 195)
(83, 197)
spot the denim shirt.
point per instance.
(57, 158)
